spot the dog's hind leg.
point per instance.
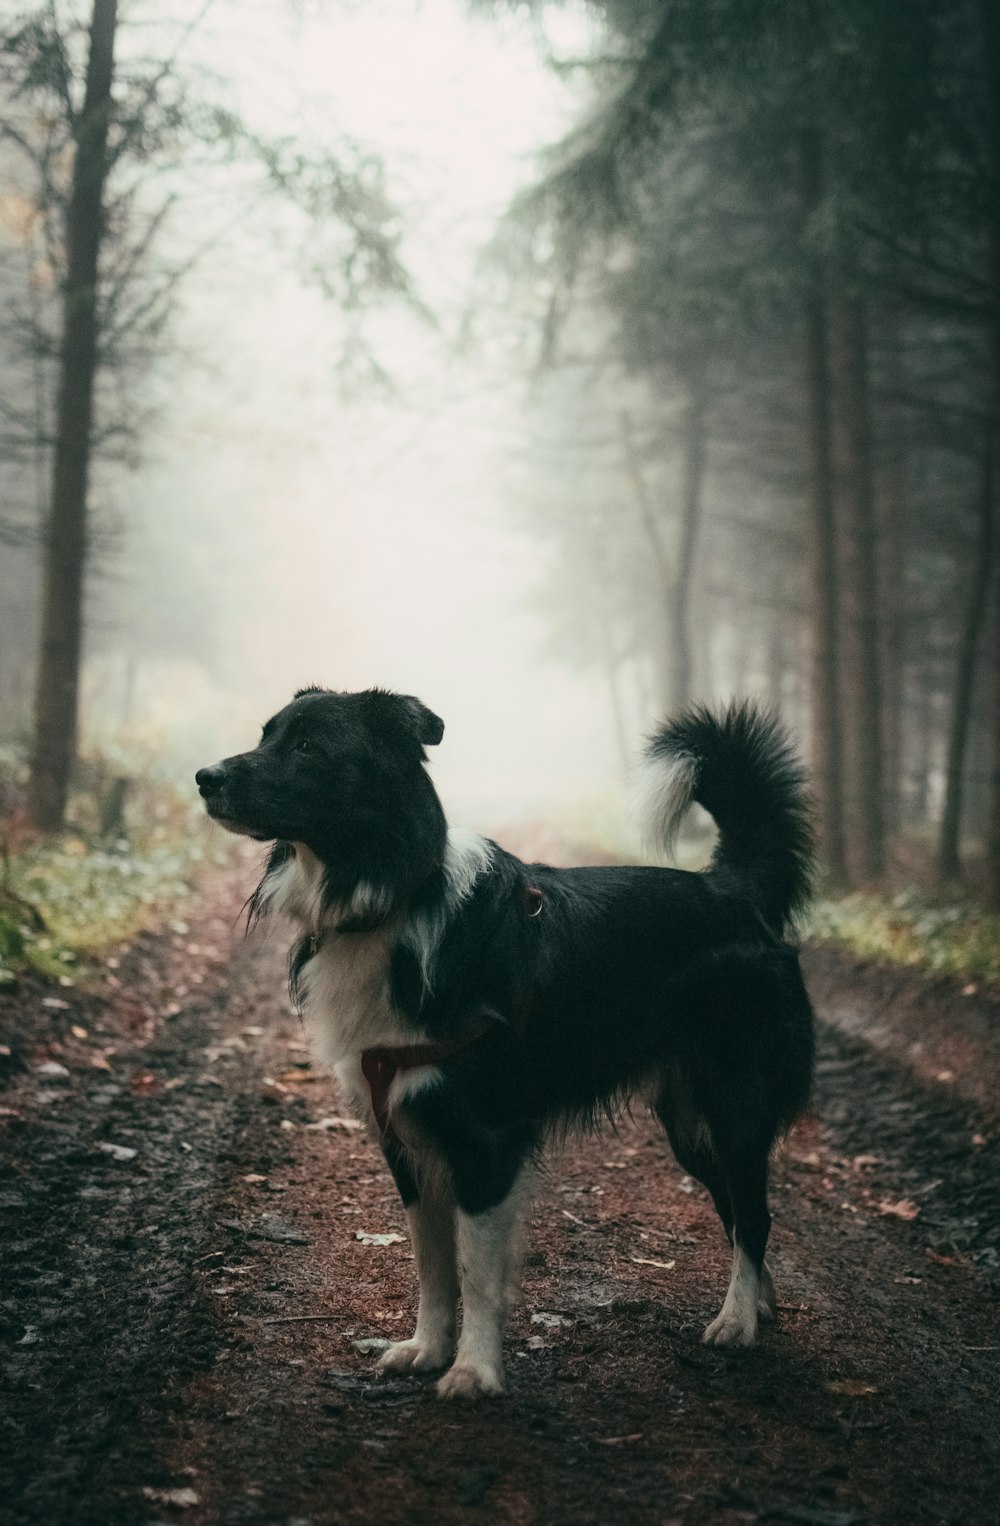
(430, 1211)
(488, 1244)
(745, 1170)
(693, 1145)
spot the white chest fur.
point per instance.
(344, 988)
(346, 998)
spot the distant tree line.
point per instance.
(98, 142)
(766, 272)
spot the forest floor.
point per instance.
(186, 1223)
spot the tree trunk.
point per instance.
(664, 634)
(949, 843)
(862, 668)
(893, 503)
(57, 683)
(827, 743)
(991, 60)
(691, 504)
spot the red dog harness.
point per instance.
(382, 1065)
(380, 1068)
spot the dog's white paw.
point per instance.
(730, 1329)
(465, 1382)
(414, 1356)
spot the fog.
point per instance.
(553, 363)
(357, 535)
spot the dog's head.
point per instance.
(340, 773)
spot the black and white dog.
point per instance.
(472, 1004)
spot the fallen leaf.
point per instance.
(940, 1260)
(550, 1321)
(51, 1071)
(323, 1124)
(55, 1003)
(254, 1176)
(850, 1388)
(619, 1441)
(905, 1208)
(143, 1083)
(78, 1032)
(116, 1151)
(369, 1239)
(372, 1345)
(181, 1499)
(665, 1266)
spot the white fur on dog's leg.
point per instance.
(487, 1246)
(432, 1231)
(767, 1298)
(736, 1322)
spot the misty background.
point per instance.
(561, 364)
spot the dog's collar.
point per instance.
(532, 900)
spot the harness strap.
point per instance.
(381, 1065)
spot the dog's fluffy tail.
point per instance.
(741, 767)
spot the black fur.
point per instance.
(630, 978)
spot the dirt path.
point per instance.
(186, 1318)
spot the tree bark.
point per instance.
(990, 20)
(891, 581)
(692, 486)
(949, 859)
(663, 636)
(827, 742)
(65, 551)
(862, 668)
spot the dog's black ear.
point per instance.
(429, 728)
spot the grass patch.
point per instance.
(68, 900)
(955, 938)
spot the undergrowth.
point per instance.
(956, 938)
(64, 901)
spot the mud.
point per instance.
(180, 1326)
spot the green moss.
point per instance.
(954, 938)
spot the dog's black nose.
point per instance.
(210, 780)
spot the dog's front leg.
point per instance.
(488, 1244)
(432, 1231)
